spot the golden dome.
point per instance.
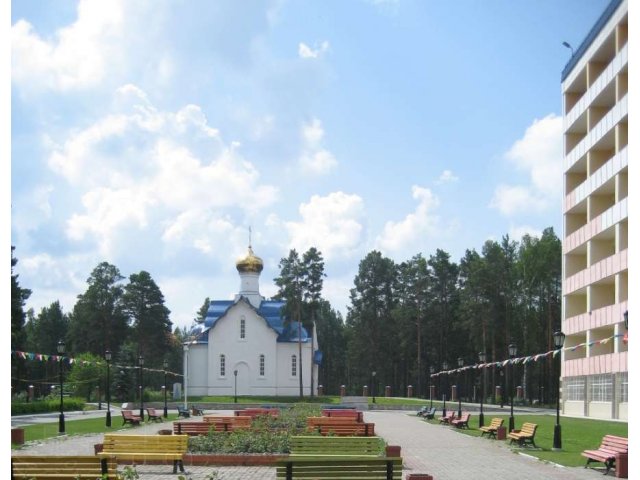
(250, 263)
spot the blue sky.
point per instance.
(153, 134)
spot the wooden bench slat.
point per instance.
(62, 467)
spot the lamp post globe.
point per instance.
(458, 390)
(107, 357)
(558, 341)
(445, 367)
(513, 351)
(165, 365)
(483, 358)
(141, 364)
(61, 351)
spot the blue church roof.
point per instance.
(270, 310)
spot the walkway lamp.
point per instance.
(432, 370)
(165, 365)
(373, 385)
(445, 367)
(61, 348)
(185, 347)
(513, 351)
(141, 363)
(107, 357)
(458, 390)
(558, 341)
(483, 358)
(235, 386)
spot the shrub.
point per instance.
(48, 405)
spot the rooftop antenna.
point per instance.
(568, 45)
(249, 237)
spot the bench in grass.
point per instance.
(610, 448)
(525, 435)
(332, 467)
(306, 445)
(142, 448)
(129, 417)
(461, 422)
(62, 467)
(183, 412)
(154, 415)
(492, 428)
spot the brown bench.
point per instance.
(140, 448)
(227, 423)
(153, 415)
(335, 413)
(63, 467)
(492, 428)
(610, 448)
(339, 426)
(461, 422)
(129, 417)
(525, 435)
(192, 428)
(448, 417)
(255, 412)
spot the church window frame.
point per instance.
(294, 365)
(223, 365)
(261, 362)
(243, 328)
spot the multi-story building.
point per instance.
(595, 237)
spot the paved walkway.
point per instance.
(433, 449)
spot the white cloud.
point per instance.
(304, 51)
(539, 154)
(447, 176)
(409, 232)
(314, 158)
(333, 224)
(78, 56)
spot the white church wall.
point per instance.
(289, 385)
(242, 355)
(197, 369)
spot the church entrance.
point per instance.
(243, 378)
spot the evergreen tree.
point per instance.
(312, 279)
(202, 312)
(19, 296)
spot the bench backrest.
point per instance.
(496, 422)
(236, 421)
(528, 429)
(32, 465)
(384, 468)
(114, 443)
(254, 412)
(192, 428)
(128, 414)
(333, 413)
(612, 442)
(314, 421)
(309, 445)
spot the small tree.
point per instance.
(86, 374)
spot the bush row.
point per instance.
(44, 406)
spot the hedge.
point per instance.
(44, 406)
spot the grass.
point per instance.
(578, 434)
(41, 431)
(263, 400)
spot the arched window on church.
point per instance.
(262, 365)
(223, 365)
(243, 327)
(294, 366)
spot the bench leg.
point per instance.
(176, 464)
(389, 470)
(289, 474)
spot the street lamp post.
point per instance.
(513, 350)
(235, 386)
(626, 319)
(458, 391)
(186, 372)
(61, 347)
(558, 341)
(483, 358)
(165, 365)
(373, 385)
(107, 357)
(445, 367)
(141, 363)
(432, 370)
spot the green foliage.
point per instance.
(86, 374)
(48, 405)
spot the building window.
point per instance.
(623, 387)
(243, 327)
(223, 365)
(601, 388)
(262, 365)
(573, 389)
(294, 366)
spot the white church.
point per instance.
(243, 346)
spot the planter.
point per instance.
(97, 448)
(392, 450)
(17, 436)
(165, 432)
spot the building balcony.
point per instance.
(595, 365)
(602, 222)
(601, 317)
(601, 270)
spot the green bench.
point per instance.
(62, 467)
(306, 445)
(333, 467)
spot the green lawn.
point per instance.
(263, 400)
(79, 427)
(578, 434)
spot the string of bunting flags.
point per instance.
(43, 357)
(527, 359)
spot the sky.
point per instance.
(154, 134)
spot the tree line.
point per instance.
(404, 320)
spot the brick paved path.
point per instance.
(433, 449)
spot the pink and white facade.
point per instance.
(595, 230)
